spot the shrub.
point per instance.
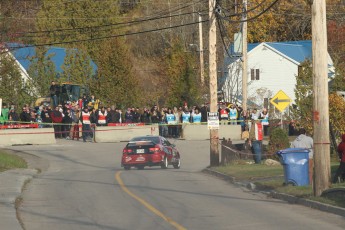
(278, 140)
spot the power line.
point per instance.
(248, 19)
(241, 13)
(222, 34)
(107, 37)
(168, 11)
(107, 25)
(120, 23)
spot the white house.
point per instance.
(8, 55)
(23, 55)
(272, 66)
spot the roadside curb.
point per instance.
(14, 181)
(289, 198)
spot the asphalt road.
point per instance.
(84, 187)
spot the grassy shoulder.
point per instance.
(271, 178)
(10, 161)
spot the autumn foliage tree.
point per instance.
(302, 112)
(66, 21)
(288, 20)
(336, 113)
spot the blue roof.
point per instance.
(296, 50)
(24, 54)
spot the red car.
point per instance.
(150, 151)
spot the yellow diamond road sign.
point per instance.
(281, 101)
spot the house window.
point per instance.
(254, 74)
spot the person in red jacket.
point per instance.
(341, 168)
(57, 117)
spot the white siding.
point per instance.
(276, 73)
(234, 79)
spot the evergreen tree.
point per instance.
(302, 111)
(13, 89)
(77, 67)
(42, 71)
(182, 81)
(115, 82)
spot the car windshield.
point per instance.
(148, 138)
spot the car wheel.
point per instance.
(127, 167)
(177, 165)
(140, 167)
(164, 164)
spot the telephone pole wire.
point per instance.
(214, 135)
(322, 174)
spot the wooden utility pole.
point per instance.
(244, 58)
(322, 174)
(201, 52)
(214, 137)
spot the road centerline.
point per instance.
(146, 204)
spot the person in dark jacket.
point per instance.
(46, 118)
(32, 116)
(93, 116)
(85, 100)
(339, 175)
(54, 93)
(25, 115)
(112, 115)
(118, 115)
(145, 117)
(57, 117)
(136, 115)
(203, 111)
(129, 116)
(13, 117)
(67, 122)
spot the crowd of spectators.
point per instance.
(67, 114)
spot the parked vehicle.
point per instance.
(67, 91)
(150, 151)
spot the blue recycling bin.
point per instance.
(296, 165)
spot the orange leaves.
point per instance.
(337, 112)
